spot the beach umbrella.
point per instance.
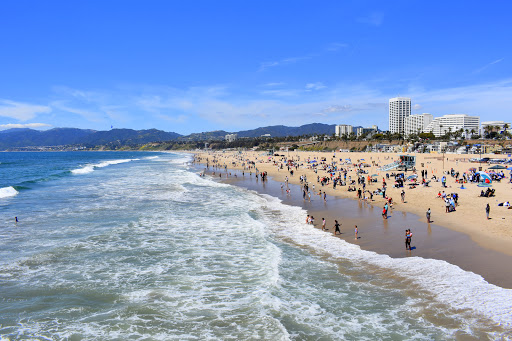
(498, 167)
(509, 168)
(484, 177)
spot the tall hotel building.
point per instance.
(399, 109)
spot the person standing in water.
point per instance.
(323, 224)
(336, 227)
(428, 215)
(356, 231)
(408, 237)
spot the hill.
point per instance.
(14, 138)
(283, 131)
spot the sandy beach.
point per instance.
(464, 237)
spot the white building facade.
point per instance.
(231, 137)
(417, 123)
(497, 126)
(363, 131)
(451, 123)
(399, 109)
(343, 129)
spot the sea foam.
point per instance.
(448, 283)
(90, 168)
(6, 192)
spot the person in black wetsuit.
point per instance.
(336, 227)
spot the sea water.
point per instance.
(138, 246)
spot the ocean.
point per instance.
(138, 246)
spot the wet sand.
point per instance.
(387, 236)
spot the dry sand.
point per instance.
(469, 218)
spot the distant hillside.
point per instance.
(209, 135)
(129, 136)
(283, 131)
(13, 138)
(274, 131)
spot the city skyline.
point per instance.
(233, 66)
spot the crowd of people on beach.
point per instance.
(353, 177)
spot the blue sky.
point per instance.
(195, 66)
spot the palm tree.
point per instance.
(506, 126)
(487, 130)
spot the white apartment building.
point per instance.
(446, 123)
(399, 109)
(343, 129)
(360, 131)
(499, 126)
(417, 123)
(231, 137)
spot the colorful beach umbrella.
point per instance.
(484, 177)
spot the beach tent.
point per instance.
(484, 177)
(498, 167)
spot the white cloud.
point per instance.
(374, 19)
(488, 65)
(337, 108)
(281, 93)
(315, 86)
(26, 125)
(90, 115)
(291, 60)
(336, 46)
(21, 111)
(274, 84)
(416, 107)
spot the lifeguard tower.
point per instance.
(404, 162)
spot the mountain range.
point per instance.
(23, 137)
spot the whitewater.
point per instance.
(139, 246)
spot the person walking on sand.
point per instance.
(402, 194)
(356, 231)
(336, 227)
(487, 211)
(428, 215)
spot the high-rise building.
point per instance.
(399, 109)
(415, 124)
(452, 123)
(343, 129)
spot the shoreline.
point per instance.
(434, 240)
